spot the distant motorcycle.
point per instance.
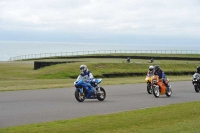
(148, 80)
(196, 82)
(151, 60)
(159, 87)
(83, 91)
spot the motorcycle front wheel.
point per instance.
(169, 92)
(149, 88)
(79, 96)
(156, 91)
(102, 95)
(196, 88)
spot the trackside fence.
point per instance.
(67, 54)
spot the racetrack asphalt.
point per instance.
(37, 106)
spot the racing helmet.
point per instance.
(83, 68)
(151, 68)
(198, 69)
(157, 68)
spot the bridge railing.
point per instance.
(64, 54)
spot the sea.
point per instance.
(11, 49)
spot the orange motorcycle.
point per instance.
(159, 87)
(148, 80)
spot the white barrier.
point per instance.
(65, 54)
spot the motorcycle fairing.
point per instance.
(196, 77)
(161, 85)
(80, 85)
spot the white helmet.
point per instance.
(83, 68)
(151, 68)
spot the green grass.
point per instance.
(174, 118)
(22, 76)
(24, 70)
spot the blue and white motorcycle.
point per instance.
(85, 91)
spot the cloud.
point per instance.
(155, 17)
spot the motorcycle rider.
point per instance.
(150, 71)
(158, 71)
(128, 60)
(198, 69)
(151, 61)
(88, 77)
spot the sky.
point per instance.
(101, 21)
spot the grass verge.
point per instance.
(174, 118)
(22, 76)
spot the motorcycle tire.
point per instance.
(101, 96)
(149, 88)
(156, 91)
(169, 93)
(79, 97)
(196, 88)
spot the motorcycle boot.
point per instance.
(98, 89)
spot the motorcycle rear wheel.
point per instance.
(78, 96)
(196, 88)
(102, 95)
